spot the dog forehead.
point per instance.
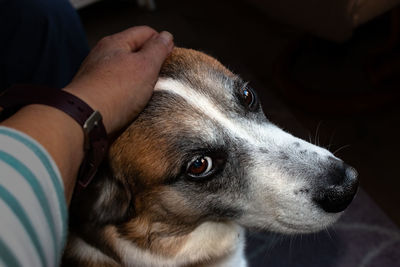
(199, 72)
(208, 118)
(183, 62)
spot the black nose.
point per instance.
(336, 188)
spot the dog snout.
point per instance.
(336, 188)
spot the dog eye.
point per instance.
(200, 166)
(249, 97)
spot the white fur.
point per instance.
(256, 135)
(82, 250)
(208, 241)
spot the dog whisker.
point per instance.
(328, 233)
(316, 139)
(309, 137)
(328, 146)
(331, 138)
(340, 148)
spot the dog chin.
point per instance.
(287, 225)
(295, 228)
(282, 222)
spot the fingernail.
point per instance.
(166, 38)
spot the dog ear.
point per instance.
(105, 201)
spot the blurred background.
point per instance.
(327, 71)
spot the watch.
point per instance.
(95, 136)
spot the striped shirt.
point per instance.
(33, 211)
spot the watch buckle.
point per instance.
(92, 122)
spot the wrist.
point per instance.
(96, 103)
(72, 108)
(42, 120)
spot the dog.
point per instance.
(198, 165)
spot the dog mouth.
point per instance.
(293, 225)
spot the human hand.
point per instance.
(118, 76)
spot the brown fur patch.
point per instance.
(183, 60)
(199, 71)
(144, 154)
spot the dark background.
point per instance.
(343, 96)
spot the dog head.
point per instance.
(203, 150)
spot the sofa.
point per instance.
(332, 20)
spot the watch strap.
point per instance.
(95, 136)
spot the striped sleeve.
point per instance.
(33, 211)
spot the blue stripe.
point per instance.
(16, 207)
(40, 194)
(54, 177)
(8, 256)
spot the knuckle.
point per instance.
(145, 28)
(105, 40)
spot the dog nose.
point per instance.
(337, 187)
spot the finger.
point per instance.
(135, 37)
(157, 49)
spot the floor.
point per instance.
(250, 44)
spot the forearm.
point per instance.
(58, 133)
(116, 79)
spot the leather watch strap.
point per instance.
(95, 144)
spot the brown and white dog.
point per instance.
(198, 165)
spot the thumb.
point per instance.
(157, 48)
